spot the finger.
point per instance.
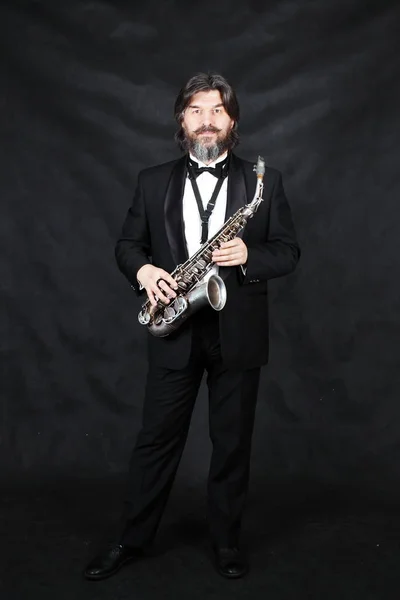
(157, 291)
(228, 252)
(236, 242)
(168, 278)
(238, 257)
(218, 253)
(151, 298)
(230, 263)
(165, 287)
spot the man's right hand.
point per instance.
(149, 275)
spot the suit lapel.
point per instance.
(173, 212)
(236, 194)
(236, 198)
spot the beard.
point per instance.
(204, 148)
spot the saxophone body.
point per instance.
(193, 292)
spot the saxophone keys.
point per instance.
(169, 314)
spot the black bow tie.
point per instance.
(218, 171)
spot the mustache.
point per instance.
(209, 129)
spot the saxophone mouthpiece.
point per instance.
(260, 167)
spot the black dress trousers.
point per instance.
(169, 400)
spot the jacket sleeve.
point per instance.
(280, 253)
(133, 249)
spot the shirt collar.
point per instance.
(212, 165)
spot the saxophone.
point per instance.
(193, 293)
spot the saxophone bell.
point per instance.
(211, 292)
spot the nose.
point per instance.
(207, 118)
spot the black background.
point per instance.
(87, 102)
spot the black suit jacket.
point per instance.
(153, 231)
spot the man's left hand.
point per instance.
(231, 253)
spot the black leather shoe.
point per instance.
(230, 562)
(109, 562)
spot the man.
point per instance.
(162, 229)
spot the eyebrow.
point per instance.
(197, 106)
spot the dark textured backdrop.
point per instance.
(87, 102)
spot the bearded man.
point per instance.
(170, 217)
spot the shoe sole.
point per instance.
(110, 573)
(232, 575)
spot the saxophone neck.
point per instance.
(259, 168)
(258, 197)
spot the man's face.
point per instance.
(207, 125)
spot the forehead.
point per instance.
(206, 99)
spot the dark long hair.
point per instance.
(204, 82)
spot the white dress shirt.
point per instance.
(191, 216)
